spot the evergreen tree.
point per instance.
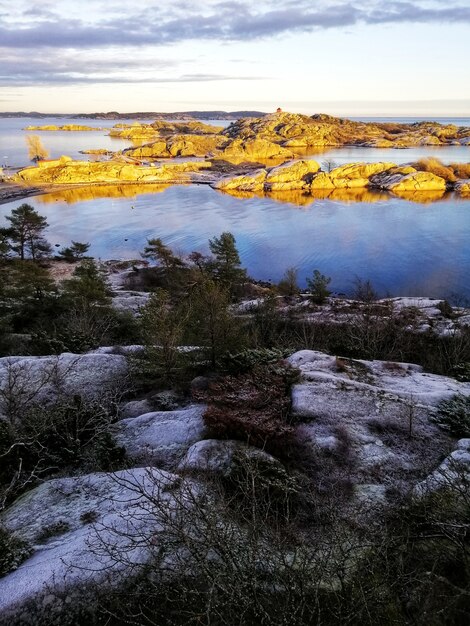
(26, 232)
(75, 252)
(226, 265)
(318, 286)
(88, 285)
(210, 324)
(170, 265)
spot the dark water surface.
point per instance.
(403, 246)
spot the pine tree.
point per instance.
(26, 232)
(226, 265)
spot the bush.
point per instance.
(454, 416)
(13, 551)
(252, 407)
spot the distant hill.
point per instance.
(144, 115)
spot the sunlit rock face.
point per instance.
(254, 149)
(463, 187)
(65, 127)
(179, 146)
(245, 182)
(301, 131)
(415, 181)
(296, 175)
(66, 171)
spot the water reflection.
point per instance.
(422, 197)
(296, 197)
(81, 194)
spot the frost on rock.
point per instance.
(378, 412)
(44, 379)
(453, 473)
(85, 529)
(161, 437)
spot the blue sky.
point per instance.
(359, 58)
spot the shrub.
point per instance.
(461, 170)
(318, 286)
(454, 416)
(252, 407)
(13, 551)
(462, 372)
(251, 357)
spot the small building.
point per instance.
(278, 110)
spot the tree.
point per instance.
(170, 264)
(36, 150)
(75, 252)
(288, 284)
(88, 285)
(162, 329)
(25, 232)
(318, 286)
(211, 323)
(226, 265)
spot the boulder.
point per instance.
(463, 187)
(161, 437)
(215, 456)
(93, 529)
(32, 380)
(244, 182)
(295, 175)
(257, 149)
(415, 181)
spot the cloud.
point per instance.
(170, 23)
(16, 71)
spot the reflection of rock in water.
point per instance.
(421, 197)
(81, 194)
(306, 198)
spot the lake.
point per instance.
(403, 247)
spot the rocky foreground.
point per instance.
(78, 528)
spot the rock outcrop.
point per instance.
(178, 146)
(307, 176)
(414, 181)
(66, 171)
(66, 127)
(301, 131)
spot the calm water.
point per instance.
(13, 142)
(403, 247)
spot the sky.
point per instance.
(366, 57)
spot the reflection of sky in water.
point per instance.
(402, 247)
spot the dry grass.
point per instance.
(434, 166)
(461, 170)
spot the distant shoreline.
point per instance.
(114, 115)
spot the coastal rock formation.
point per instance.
(245, 182)
(162, 128)
(353, 175)
(66, 127)
(66, 171)
(414, 181)
(296, 175)
(463, 187)
(256, 149)
(162, 437)
(306, 175)
(178, 146)
(301, 131)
